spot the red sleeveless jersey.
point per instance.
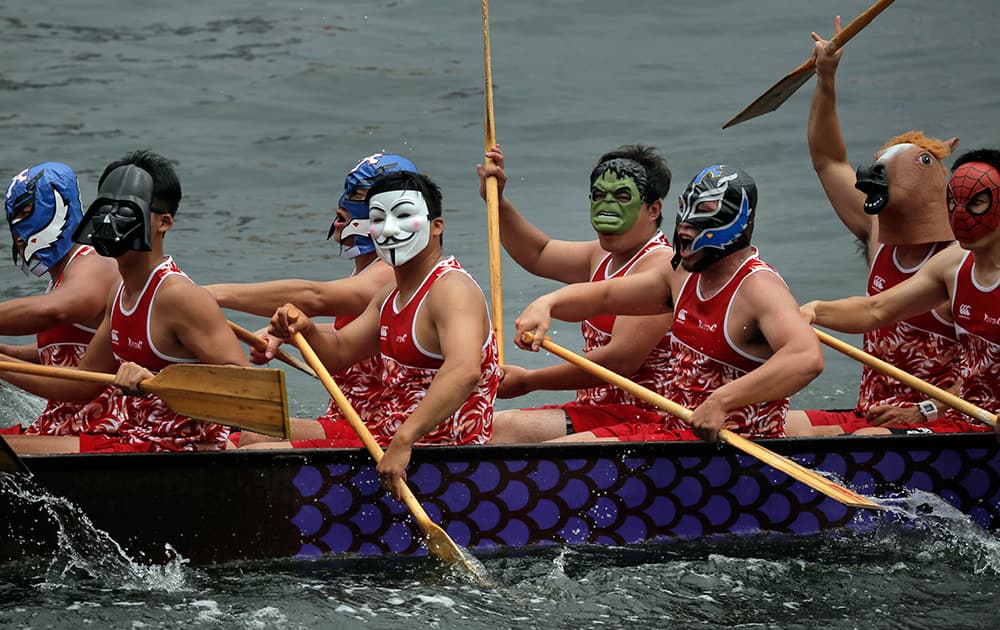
(63, 346)
(361, 383)
(408, 369)
(976, 310)
(924, 346)
(149, 420)
(704, 358)
(654, 373)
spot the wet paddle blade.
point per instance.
(775, 96)
(248, 398)
(798, 472)
(441, 545)
(9, 461)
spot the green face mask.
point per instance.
(614, 203)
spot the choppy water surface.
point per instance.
(922, 565)
(265, 104)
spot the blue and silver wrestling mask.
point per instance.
(118, 221)
(51, 189)
(361, 176)
(725, 222)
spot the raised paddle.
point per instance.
(492, 194)
(254, 341)
(810, 478)
(438, 541)
(248, 398)
(935, 392)
(780, 91)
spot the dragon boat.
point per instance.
(225, 506)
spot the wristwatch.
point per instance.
(928, 409)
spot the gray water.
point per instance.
(264, 105)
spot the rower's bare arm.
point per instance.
(97, 358)
(645, 293)
(337, 350)
(530, 247)
(27, 353)
(927, 288)
(188, 313)
(796, 356)
(829, 151)
(345, 296)
(78, 299)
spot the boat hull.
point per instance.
(216, 507)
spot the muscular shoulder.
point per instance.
(179, 294)
(95, 272)
(454, 291)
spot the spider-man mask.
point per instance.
(973, 199)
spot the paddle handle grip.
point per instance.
(935, 392)
(255, 341)
(858, 23)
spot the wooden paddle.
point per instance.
(256, 342)
(438, 541)
(249, 398)
(780, 91)
(492, 194)
(9, 461)
(935, 392)
(792, 469)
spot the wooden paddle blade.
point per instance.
(780, 91)
(776, 95)
(9, 461)
(248, 398)
(441, 545)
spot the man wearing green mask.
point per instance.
(627, 187)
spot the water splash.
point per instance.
(84, 553)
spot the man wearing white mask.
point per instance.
(432, 332)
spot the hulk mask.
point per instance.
(614, 203)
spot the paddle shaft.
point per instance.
(255, 341)
(942, 396)
(810, 478)
(492, 193)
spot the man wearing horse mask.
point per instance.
(156, 316)
(895, 206)
(967, 278)
(739, 348)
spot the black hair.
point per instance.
(408, 180)
(166, 186)
(988, 156)
(657, 171)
